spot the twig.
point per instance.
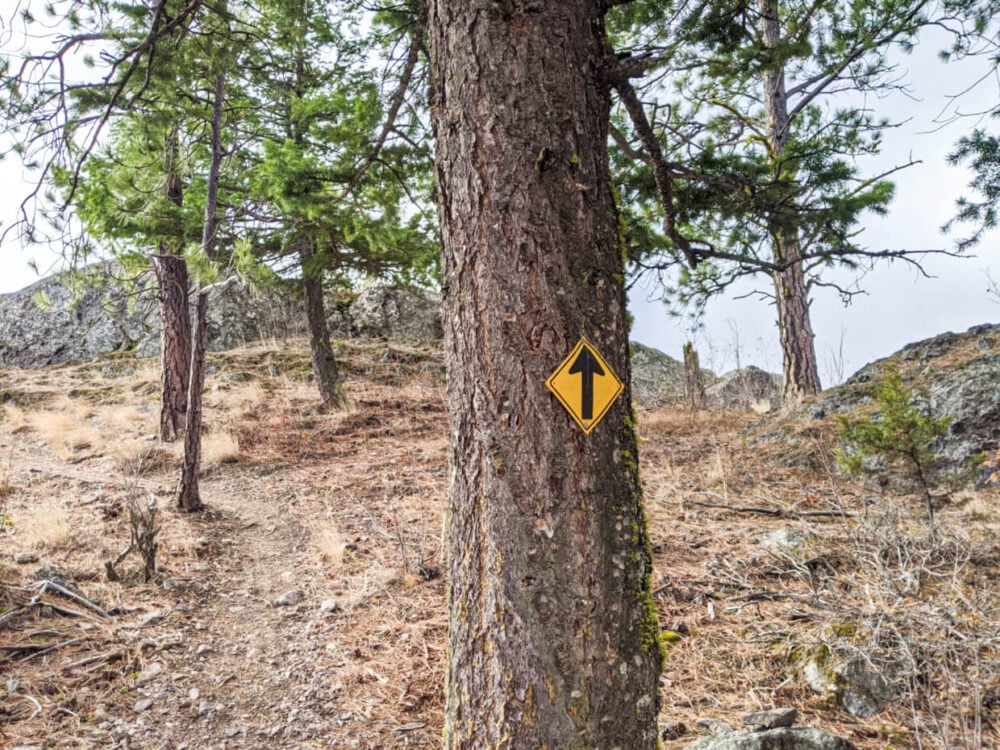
(779, 512)
(54, 647)
(52, 585)
(110, 655)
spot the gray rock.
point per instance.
(777, 717)
(142, 705)
(748, 388)
(151, 672)
(787, 537)
(715, 727)
(953, 375)
(328, 606)
(858, 687)
(781, 738)
(390, 311)
(26, 558)
(658, 379)
(289, 598)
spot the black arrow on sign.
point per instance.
(588, 366)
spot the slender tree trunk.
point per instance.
(694, 384)
(801, 368)
(188, 495)
(324, 364)
(175, 342)
(175, 319)
(553, 639)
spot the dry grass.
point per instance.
(66, 432)
(219, 448)
(15, 420)
(348, 506)
(44, 527)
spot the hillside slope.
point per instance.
(306, 607)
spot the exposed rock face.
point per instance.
(748, 388)
(94, 321)
(383, 310)
(658, 379)
(952, 375)
(67, 326)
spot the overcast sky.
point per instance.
(900, 306)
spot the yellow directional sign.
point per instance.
(585, 384)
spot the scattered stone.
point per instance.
(289, 598)
(194, 694)
(202, 649)
(787, 537)
(778, 717)
(26, 558)
(715, 727)
(172, 584)
(205, 708)
(152, 671)
(673, 730)
(232, 732)
(142, 705)
(855, 685)
(780, 738)
(150, 617)
(328, 606)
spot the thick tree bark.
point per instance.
(801, 368)
(553, 638)
(188, 495)
(175, 342)
(175, 319)
(324, 364)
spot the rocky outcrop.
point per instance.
(951, 375)
(658, 379)
(388, 311)
(54, 321)
(747, 388)
(60, 319)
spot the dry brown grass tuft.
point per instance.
(15, 419)
(45, 526)
(219, 448)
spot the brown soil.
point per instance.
(341, 516)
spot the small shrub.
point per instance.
(900, 435)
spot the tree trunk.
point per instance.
(553, 638)
(801, 368)
(188, 496)
(175, 342)
(694, 385)
(324, 365)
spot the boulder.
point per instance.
(747, 388)
(856, 685)
(780, 738)
(389, 311)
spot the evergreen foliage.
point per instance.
(899, 434)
